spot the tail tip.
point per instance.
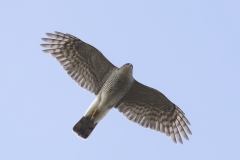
(84, 127)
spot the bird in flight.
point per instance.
(114, 88)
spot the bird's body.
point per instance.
(112, 91)
(114, 87)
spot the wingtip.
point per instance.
(48, 51)
(59, 33)
(189, 132)
(175, 141)
(49, 34)
(45, 51)
(180, 141)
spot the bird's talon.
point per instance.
(94, 114)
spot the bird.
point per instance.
(114, 88)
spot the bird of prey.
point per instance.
(114, 88)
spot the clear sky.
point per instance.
(189, 50)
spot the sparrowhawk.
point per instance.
(114, 87)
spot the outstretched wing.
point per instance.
(84, 63)
(150, 108)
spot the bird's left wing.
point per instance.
(150, 108)
(83, 62)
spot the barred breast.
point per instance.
(116, 86)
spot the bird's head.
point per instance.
(127, 68)
(128, 65)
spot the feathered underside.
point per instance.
(83, 62)
(142, 104)
(151, 109)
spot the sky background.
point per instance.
(189, 50)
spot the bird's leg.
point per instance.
(94, 114)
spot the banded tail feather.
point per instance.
(84, 127)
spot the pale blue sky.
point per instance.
(189, 50)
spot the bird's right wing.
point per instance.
(150, 108)
(83, 62)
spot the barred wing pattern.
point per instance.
(83, 62)
(151, 109)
